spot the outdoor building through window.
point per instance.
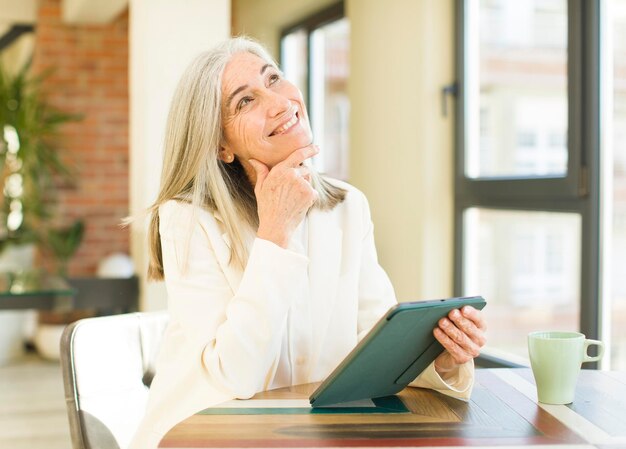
(615, 148)
(541, 170)
(525, 262)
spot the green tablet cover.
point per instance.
(397, 349)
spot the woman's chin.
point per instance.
(302, 139)
(290, 144)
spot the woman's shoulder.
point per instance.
(177, 213)
(179, 210)
(353, 194)
(353, 212)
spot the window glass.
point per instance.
(329, 105)
(617, 142)
(294, 51)
(517, 86)
(526, 264)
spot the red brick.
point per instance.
(90, 78)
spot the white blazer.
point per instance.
(289, 318)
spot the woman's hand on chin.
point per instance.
(284, 195)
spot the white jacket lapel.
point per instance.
(221, 247)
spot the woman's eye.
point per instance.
(243, 102)
(273, 78)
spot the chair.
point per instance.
(108, 365)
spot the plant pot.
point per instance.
(14, 324)
(47, 340)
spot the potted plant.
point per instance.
(30, 166)
(30, 170)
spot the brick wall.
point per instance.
(90, 78)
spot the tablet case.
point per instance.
(398, 348)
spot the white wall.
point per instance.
(401, 148)
(16, 55)
(13, 12)
(164, 37)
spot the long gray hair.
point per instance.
(192, 170)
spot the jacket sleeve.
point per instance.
(237, 334)
(459, 385)
(376, 296)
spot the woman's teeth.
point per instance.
(287, 125)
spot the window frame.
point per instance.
(309, 24)
(579, 191)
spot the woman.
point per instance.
(271, 269)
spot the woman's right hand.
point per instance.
(284, 195)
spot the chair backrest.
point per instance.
(108, 364)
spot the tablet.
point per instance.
(398, 348)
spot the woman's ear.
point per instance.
(226, 155)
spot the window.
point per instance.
(614, 26)
(518, 78)
(314, 55)
(527, 265)
(528, 190)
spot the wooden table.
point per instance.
(503, 411)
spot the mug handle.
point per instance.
(587, 358)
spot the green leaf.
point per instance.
(23, 106)
(64, 241)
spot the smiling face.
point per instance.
(264, 116)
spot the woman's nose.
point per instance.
(278, 104)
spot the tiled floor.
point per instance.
(32, 406)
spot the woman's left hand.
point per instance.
(462, 334)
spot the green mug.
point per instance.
(555, 358)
